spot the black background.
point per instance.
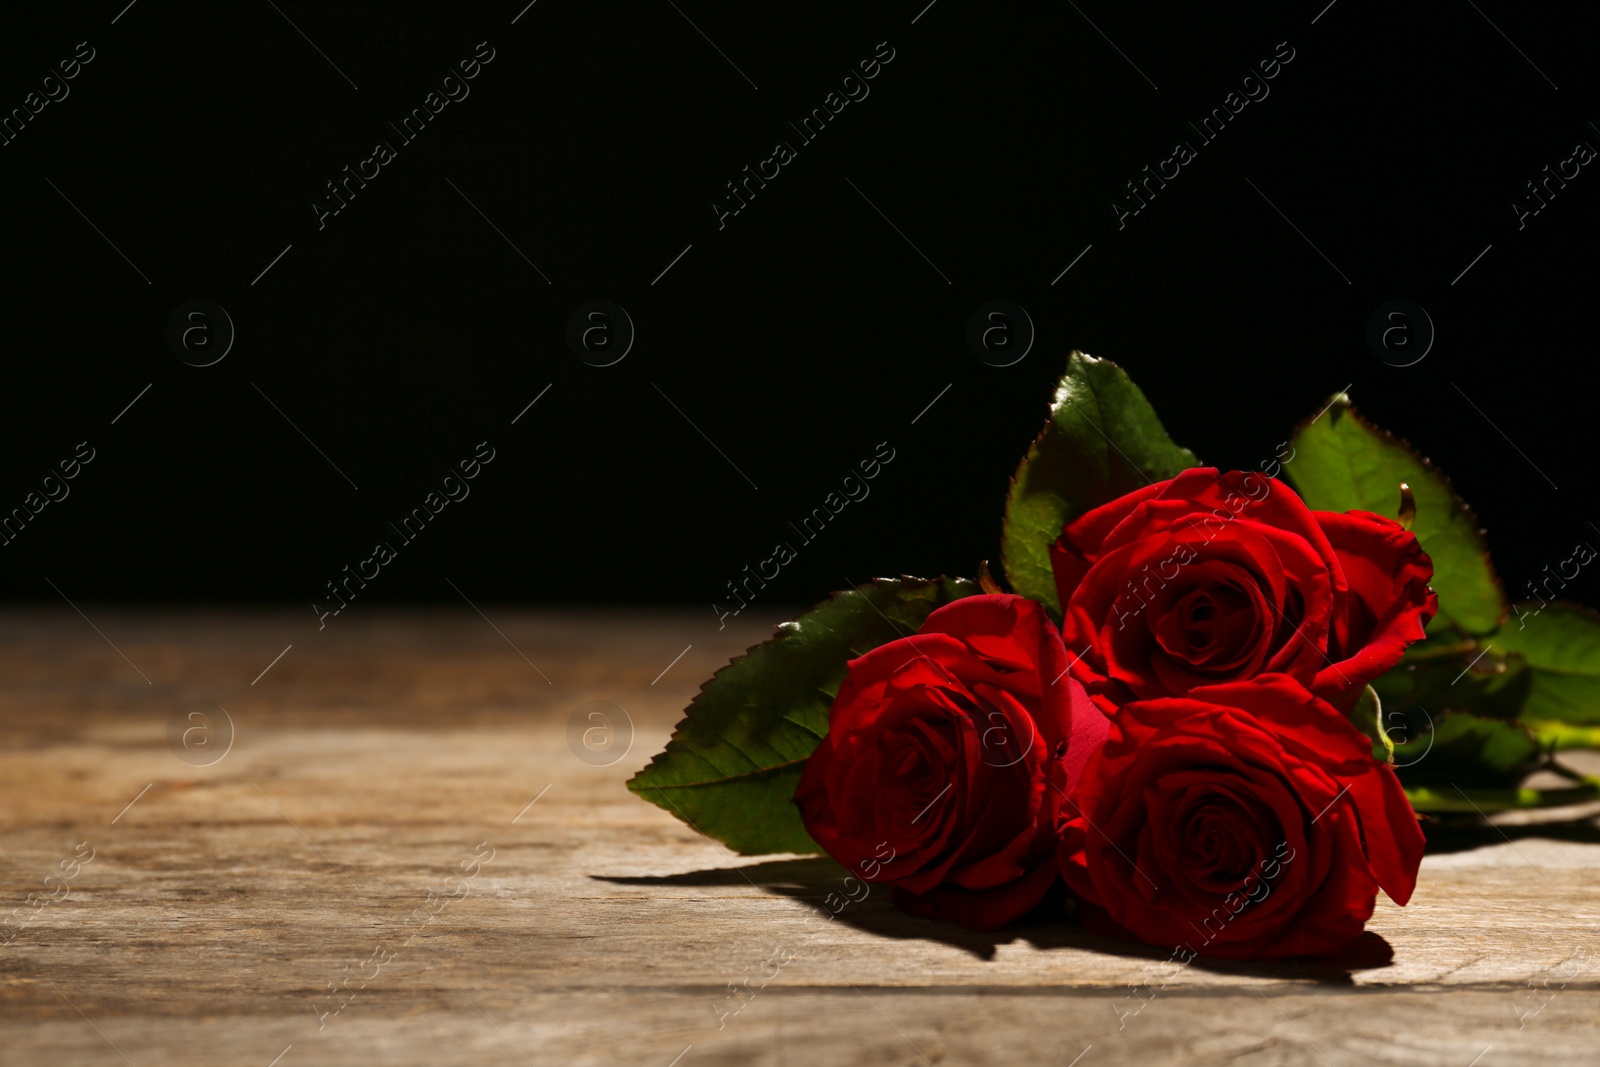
(796, 338)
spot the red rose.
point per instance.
(1244, 820)
(946, 757)
(1214, 577)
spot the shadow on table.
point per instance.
(812, 879)
(1465, 834)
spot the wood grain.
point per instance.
(380, 753)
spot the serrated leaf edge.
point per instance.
(1341, 401)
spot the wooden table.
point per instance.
(209, 909)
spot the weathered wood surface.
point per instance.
(379, 754)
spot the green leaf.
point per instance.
(1561, 645)
(1467, 751)
(1102, 440)
(1342, 462)
(1454, 719)
(734, 760)
(1561, 736)
(1476, 680)
(1484, 801)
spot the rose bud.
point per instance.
(1246, 820)
(947, 756)
(1215, 577)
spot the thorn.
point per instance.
(1408, 506)
(986, 580)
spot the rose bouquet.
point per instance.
(1209, 706)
